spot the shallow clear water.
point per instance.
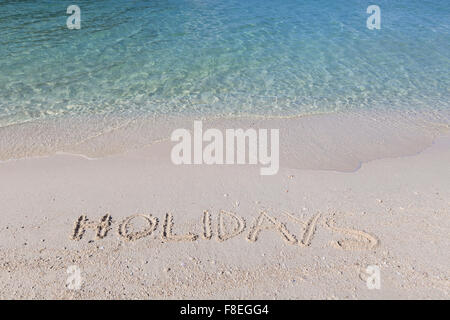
(221, 57)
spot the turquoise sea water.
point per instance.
(221, 57)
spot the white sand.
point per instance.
(392, 213)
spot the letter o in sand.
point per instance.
(132, 236)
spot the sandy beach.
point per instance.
(138, 227)
(203, 150)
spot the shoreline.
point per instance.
(318, 135)
(234, 150)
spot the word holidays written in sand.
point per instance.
(228, 225)
(234, 149)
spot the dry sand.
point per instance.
(225, 231)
